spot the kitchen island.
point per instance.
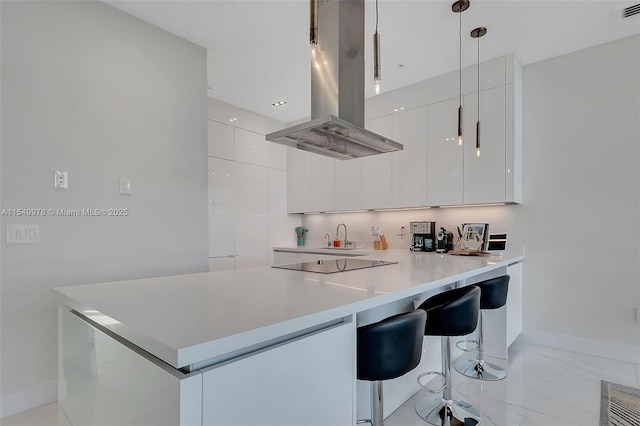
(252, 346)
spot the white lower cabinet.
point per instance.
(305, 382)
(444, 155)
(514, 302)
(104, 382)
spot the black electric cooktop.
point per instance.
(334, 265)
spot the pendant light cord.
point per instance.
(478, 78)
(376, 16)
(459, 57)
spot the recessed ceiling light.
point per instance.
(398, 109)
(279, 103)
(233, 119)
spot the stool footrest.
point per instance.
(473, 349)
(431, 373)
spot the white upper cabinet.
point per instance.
(444, 155)
(323, 183)
(298, 181)
(349, 184)
(432, 170)
(484, 175)
(220, 140)
(377, 169)
(409, 178)
(250, 147)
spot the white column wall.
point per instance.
(100, 94)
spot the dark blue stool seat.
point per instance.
(493, 295)
(386, 350)
(451, 313)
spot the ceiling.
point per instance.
(258, 51)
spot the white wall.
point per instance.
(92, 91)
(578, 225)
(247, 189)
(582, 194)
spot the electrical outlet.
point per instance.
(22, 234)
(60, 180)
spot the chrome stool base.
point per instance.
(479, 369)
(433, 410)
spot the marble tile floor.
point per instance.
(545, 387)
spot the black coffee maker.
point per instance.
(444, 241)
(423, 236)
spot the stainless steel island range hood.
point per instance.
(336, 128)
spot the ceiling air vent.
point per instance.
(629, 11)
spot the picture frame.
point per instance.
(475, 237)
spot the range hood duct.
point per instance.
(336, 128)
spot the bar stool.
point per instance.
(451, 313)
(493, 295)
(386, 350)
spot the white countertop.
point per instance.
(191, 318)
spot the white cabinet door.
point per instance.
(250, 147)
(305, 382)
(377, 169)
(220, 140)
(103, 382)
(323, 183)
(409, 182)
(349, 184)
(514, 302)
(444, 155)
(221, 207)
(298, 181)
(485, 175)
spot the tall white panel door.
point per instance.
(298, 181)
(220, 140)
(221, 207)
(349, 184)
(485, 175)
(305, 382)
(444, 155)
(250, 147)
(409, 182)
(323, 183)
(377, 169)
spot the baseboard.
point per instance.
(36, 396)
(599, 348)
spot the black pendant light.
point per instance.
(313, 28)
(376, 56)
(459, 7)
(477, 33)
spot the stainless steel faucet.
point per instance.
(328, 237)
(346, 241)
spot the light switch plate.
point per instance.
(22, 234)
(125, 186)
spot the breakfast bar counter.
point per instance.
(208, 344)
